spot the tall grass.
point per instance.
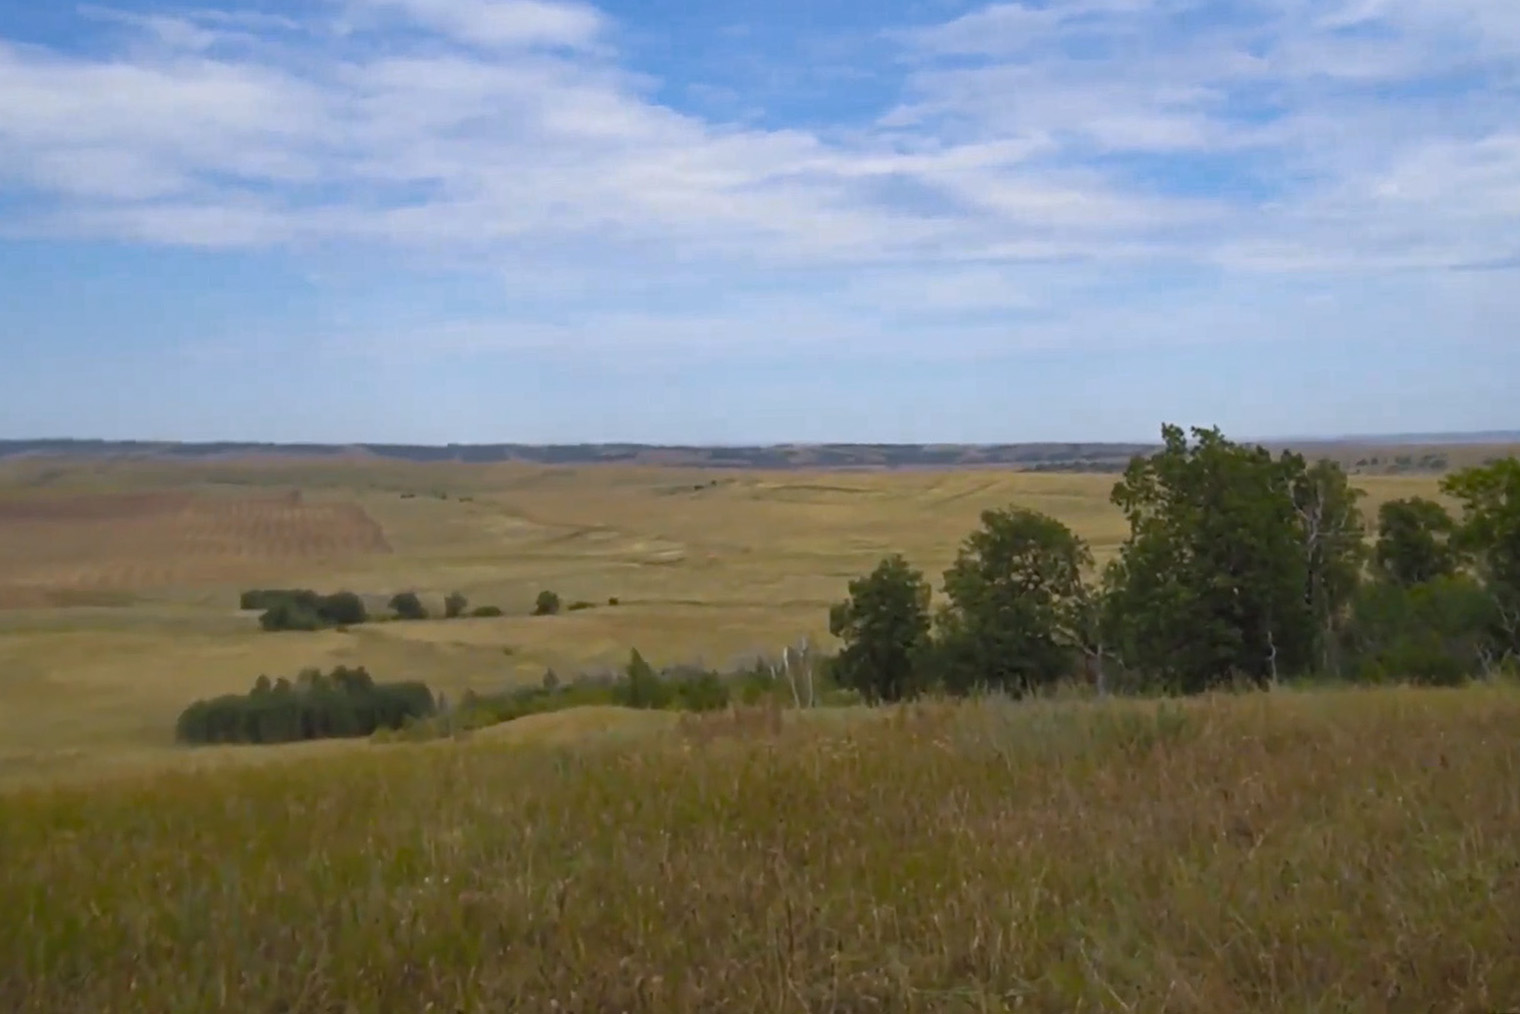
(1302, 852)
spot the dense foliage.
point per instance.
(638, 685)
(407, 606)
(343, 703)
(304, 609)
(1239, 567)
(885, 629)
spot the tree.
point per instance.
(343, 608)
(547, 604)
(884, 625)
(1217, 579)
(1016, 604)
(407, 606)
(1333, 533)
(643, 687)
(1415, 542)
(454, 606)
(1439, 631)
(1490, 533)
(290, 614)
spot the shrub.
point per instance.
(642, 687)
(343, 608)
(547, 604)
(454, 606)
(289, 614)
(703, 691)
(266, 598)
(612, 601)
(576, 607)
(304, 609)
(1435, 632)
(485, 612)
(407, 606)
(345, 703)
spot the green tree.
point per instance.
(547, 604)
(1490, 534)
(1333, 534)
(454, 606)
(290, 614)
(884, 625)
(343, 608)
(1216, 580)
(1415, 542)
(407, 606)
(1017, 604)
(1439, 631)
(642, 686)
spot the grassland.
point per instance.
(1276, 852)
(1327, 851)
(124, 576)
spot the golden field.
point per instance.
(1314, 852)
(123, 577)
(1289, 851)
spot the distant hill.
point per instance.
(1396, 454)
(784, 456)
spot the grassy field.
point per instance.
(1327, 851)
(123, 577)
(1276, 852)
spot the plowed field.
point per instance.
(89, 549)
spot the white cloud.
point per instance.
(1107, 133)
(502, 22)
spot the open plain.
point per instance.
(119, 581)
(1325, 850)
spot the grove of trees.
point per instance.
(343, 703)
(304, 609)
(1239, 568)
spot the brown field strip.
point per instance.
(85, 549)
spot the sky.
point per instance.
(757, 221)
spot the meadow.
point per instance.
(123, 577)
(1351, 851)
(1305, 850)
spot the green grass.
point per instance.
(1329, 851)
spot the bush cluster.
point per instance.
(638, 685)
(341, 704)
(304, 609)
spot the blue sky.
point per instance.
(896, 220)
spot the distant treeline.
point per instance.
(304, 609)
(341, 704)
(640, 686)
(348, 703)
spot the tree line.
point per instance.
(343, 703)
(1238, 568)
(304, 609)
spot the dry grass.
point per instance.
(1314, 852)
(105, 548)
(708, 566)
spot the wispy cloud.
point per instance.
(508, 23)
(1281, 136)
